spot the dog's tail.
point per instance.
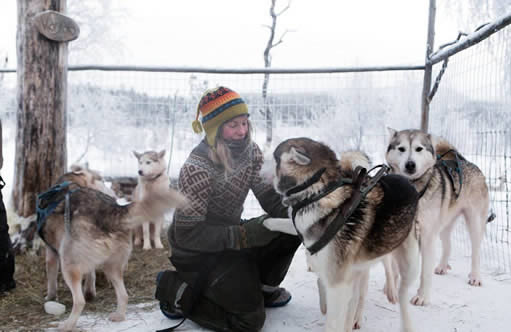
(155, 205)
(351, 159)
(445, 150)
(491, 217)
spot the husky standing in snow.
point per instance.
(449, 186)
(373, 216)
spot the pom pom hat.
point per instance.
(217, 106)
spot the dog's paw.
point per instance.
(146, 247)
(158, 245)
(137, 243)
(116, 317)
(474, 280)
(442, 269)
(66, 326)
(390, 292)
(419, 300)
(356, 325)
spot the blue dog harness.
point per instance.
(49, 200)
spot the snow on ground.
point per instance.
(456, 307)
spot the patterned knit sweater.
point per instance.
(211, 222)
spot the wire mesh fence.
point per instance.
(472, 109)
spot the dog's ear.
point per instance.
(161, 154)
(300, 157)
(392, 132)
(136, 154)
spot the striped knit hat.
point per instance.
(217, 106)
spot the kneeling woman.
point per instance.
(228, 269)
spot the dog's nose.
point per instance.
(140, 173)
(410, 166)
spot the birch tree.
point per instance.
(270, 45)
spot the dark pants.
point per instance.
(6, 252)
(232, 299)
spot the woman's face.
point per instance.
(235, 129)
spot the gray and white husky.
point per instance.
(449, 186)
(84, 228)
(383, 222)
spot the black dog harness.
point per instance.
(359, 191)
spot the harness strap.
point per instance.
(347, 207)
(423, 191)
(451, 166)
(46, 203)
(313, 179)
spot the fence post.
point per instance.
(428, 70)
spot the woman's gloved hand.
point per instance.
(255, 234)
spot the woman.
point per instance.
(228, 270)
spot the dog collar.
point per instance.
(157, 176)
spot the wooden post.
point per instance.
(40, 155)
(428, 70)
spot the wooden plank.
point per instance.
(56, 26)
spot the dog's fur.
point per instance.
(98, 234)
(83, 176)
(381, 224)
(152, 177)
(413, 154)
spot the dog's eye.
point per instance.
(419, 149)
(402, 149)
(147, 162)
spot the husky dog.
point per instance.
(319, 190)
(151, 178)
(84, 228)
(83, 177)
(445, 194)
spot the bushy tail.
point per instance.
(156, 205)
(351, 159)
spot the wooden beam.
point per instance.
(40, 153)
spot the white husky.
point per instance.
(449, 186)
(152, 178)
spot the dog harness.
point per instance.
(359, 191)
(451, 166)
(47, 202)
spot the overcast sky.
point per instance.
(230, 33)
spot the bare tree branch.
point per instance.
(267, 111)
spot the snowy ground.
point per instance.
(456, 307)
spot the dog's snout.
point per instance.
(140, 172)
(410, 166)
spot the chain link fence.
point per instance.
(472, 109)
(113, 112)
